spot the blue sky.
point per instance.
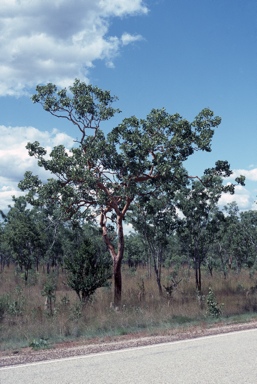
(183, 55)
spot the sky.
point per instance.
(182, 55)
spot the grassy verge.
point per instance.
(24, 320)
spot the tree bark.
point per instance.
(116, 256)
(117, 279)
(198, 277)
(157, 268)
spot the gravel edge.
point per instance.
(86, 347)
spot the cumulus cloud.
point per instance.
(242, 197)
(56, 41)
(14, 158)
(249, 174)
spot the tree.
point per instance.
(4, 251)
(22, 236)
(49, 222)
(102, 175)
(249, 229)
(238, 239)
(200, 223)
(135, 253)
(155, 221)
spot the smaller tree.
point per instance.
(249, 224)
(5, 255)
(21, 235)
(88, 268)
(238, 235)
(155, 221)
(49, 292)
(200, 222)
(135, 253)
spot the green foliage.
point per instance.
(214, 309)
(199, 227)
(49, 288)
(12, 304)
(87, 104)
(135, 252)
(140, 154)
(37, 344)
(154, 221)
(22, 236)
(49, 291)
(236, 240)
(88, 268)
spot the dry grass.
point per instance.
(26, 321)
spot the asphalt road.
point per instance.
(227, 358)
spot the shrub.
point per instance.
(214, 309)
(87, 269)
(49, 291)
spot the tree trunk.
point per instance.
(149, 266)
(157, 268)
(117, 279)
(116, 256)
(2, 264)
(198, 277)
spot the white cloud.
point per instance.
(14, 158)
(126, 38)
(249, 174)
(242, 197)
(56, 41)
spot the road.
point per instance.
(220, 359)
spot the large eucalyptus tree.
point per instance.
(103, 174)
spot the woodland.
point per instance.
(119, 234)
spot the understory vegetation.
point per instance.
(25, 320)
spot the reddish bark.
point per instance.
(117, 256)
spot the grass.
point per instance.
(25, 322)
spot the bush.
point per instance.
(87, 269)
(39, 344)
(49, 291)
(214, 309)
